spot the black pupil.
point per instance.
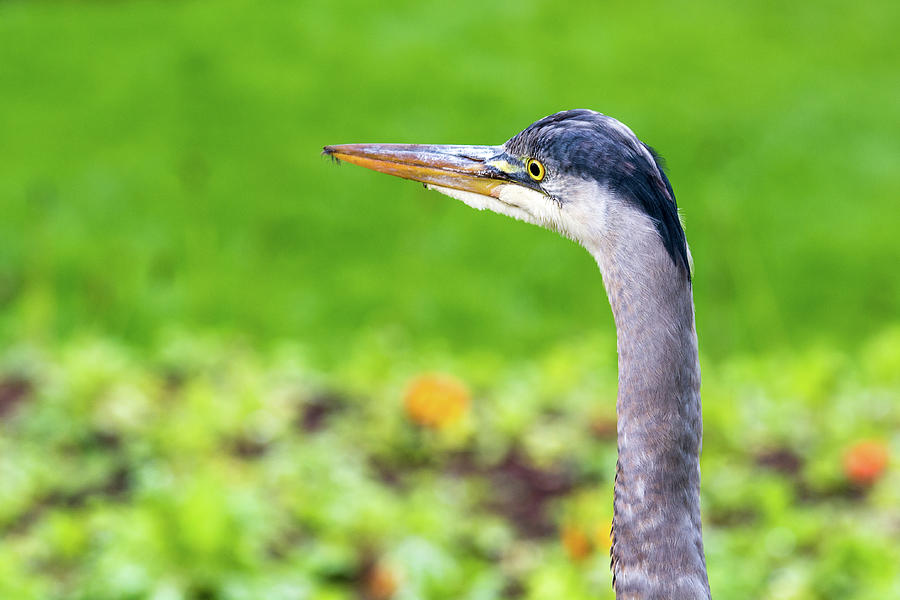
(535, 169)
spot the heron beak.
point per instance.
(478, 169)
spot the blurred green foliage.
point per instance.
(207, 328)
(203, 469)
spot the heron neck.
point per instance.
(657, 549)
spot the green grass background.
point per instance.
(161, 165)
(160, 178)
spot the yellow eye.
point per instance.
(535, 169)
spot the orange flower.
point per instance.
(576, 542)
(865, 462)
(602, 535)
(436, 400)
(380, 582)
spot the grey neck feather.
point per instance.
(657, 550)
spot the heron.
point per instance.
(587, 176)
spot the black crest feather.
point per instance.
(594, 146)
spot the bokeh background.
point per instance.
(231, 369)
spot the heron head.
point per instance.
(577, 172)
